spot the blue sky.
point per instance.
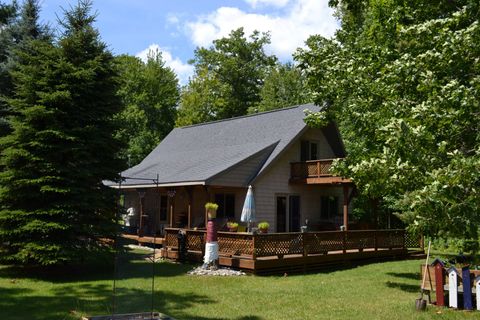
(177, 27)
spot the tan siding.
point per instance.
(240, 175)
(275, 182)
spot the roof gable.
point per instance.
(201, 152)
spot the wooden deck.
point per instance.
(290, 252)
(144, 240)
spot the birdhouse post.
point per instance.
(467, 289)
(452, 287)
(439, 282)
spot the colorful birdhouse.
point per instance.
(439, 281)
(453, 287)
(467, 289)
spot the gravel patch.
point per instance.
(223, 272)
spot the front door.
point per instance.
(288, 213)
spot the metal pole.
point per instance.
(154, 247)
(115, 267)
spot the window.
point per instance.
(226, 205)
(329, 207)
(308, 150)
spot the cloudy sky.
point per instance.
(177, 27)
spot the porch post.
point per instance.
(190, 201)
(171, 196)
(141, 194)
(345, 206)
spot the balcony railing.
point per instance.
(311, 169)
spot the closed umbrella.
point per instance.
(248, 211)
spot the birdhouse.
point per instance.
(477, 284)
(467, 289)
(439, 281)
(452, 287)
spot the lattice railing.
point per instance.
(278, 244)
(311, 169)
(195, 240)
(294, 243)
(232, 243)
(323, 242)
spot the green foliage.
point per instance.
(54, 206)
(150, 94)
(228, 78)
(263, 225)
(16, 28)
(284, 86)
(402, 80)
(211, 206)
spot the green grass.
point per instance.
(376, 291)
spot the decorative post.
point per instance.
(467, 289)
(171, 195)
(345, 206)
(141, 194)
(477, 286)
(439, 281)
(211, 247)
(452, 287)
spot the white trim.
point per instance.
(154, 185)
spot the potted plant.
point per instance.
(263, 226)
(211, 210)
(232, 226)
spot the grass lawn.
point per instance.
(377, 291)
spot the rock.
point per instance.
(223, 272)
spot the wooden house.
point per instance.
(286, 162)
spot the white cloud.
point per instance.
(183, 70)
(275, 3)
(289, 28)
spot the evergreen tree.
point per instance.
(15, 31)
(54, 207)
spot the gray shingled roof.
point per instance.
(194, 154)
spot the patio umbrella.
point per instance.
(248, 211)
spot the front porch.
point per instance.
(290, 252)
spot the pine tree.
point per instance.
(54, 205)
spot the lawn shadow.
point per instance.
(129, 264)
(405, 275)
(69, 302)
(403, 286)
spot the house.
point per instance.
(285, 161)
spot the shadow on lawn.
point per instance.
(18, 303)
(403, 286)
(405, 275)
(129, 265)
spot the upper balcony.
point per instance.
(314, 172)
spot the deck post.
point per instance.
(345, 206)
(344, 241)
(375, 240)
(254, 253)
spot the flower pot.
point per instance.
(263, 230)
(212, 214)
(233, 229)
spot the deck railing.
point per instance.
(311, 169)
(254, 246)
